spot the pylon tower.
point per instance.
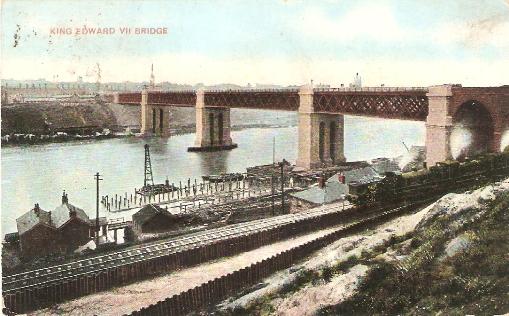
(149, 179)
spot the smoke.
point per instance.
(460, 140)
(505, 140)
(408, 158)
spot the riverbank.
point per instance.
(61, 137)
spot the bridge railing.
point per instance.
(292, 89)
(254, 90)
(172, 91)
(371, 89)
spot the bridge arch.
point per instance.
(154, 115)
(220, 128)
(473, 130)
(321, 141)
(332, 140)
(211, 129)
(161, 121)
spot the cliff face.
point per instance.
(39, 118)
(34, 118)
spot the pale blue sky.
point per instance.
(285, 42)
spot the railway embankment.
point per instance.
(450, 257)
(195, 287)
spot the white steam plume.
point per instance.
(460, 139)
(505, 140)
(407, 158)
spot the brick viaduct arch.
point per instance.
(486, 108)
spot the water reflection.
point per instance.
(212, 162)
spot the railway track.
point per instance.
(58, 273)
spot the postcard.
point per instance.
(258, 157)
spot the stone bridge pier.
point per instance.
(438, 125)
(212, 126)
(154, 119)
(321, 135)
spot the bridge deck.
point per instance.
(385, 102)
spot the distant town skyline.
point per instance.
(389, 42)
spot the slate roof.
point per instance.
(61, 214)
(316, 195)
(361, 175)
(149, 211)
(383, 166)
(334, 190)
(31, 218)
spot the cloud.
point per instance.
(361, 26)
(491, 31)
(378, 23)
(373, 22)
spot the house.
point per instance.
(334, 189)
(64, 229)
(72, 223)
(153, 218)
(37, 235)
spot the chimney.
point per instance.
(50, 221)
(37, 209)
(65, 200)
(341, 178)
(321, 182)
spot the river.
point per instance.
(39, 173)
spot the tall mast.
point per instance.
(152, 77)
(149, 180)
(98, 81)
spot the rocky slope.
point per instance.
(39, 118)
(449, 258)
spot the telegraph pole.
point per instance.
(282, 165)
(97, 179)
(272, 175)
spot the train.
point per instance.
(447, 176)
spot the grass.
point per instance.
(474, 281)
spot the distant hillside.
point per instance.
(32, 118)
